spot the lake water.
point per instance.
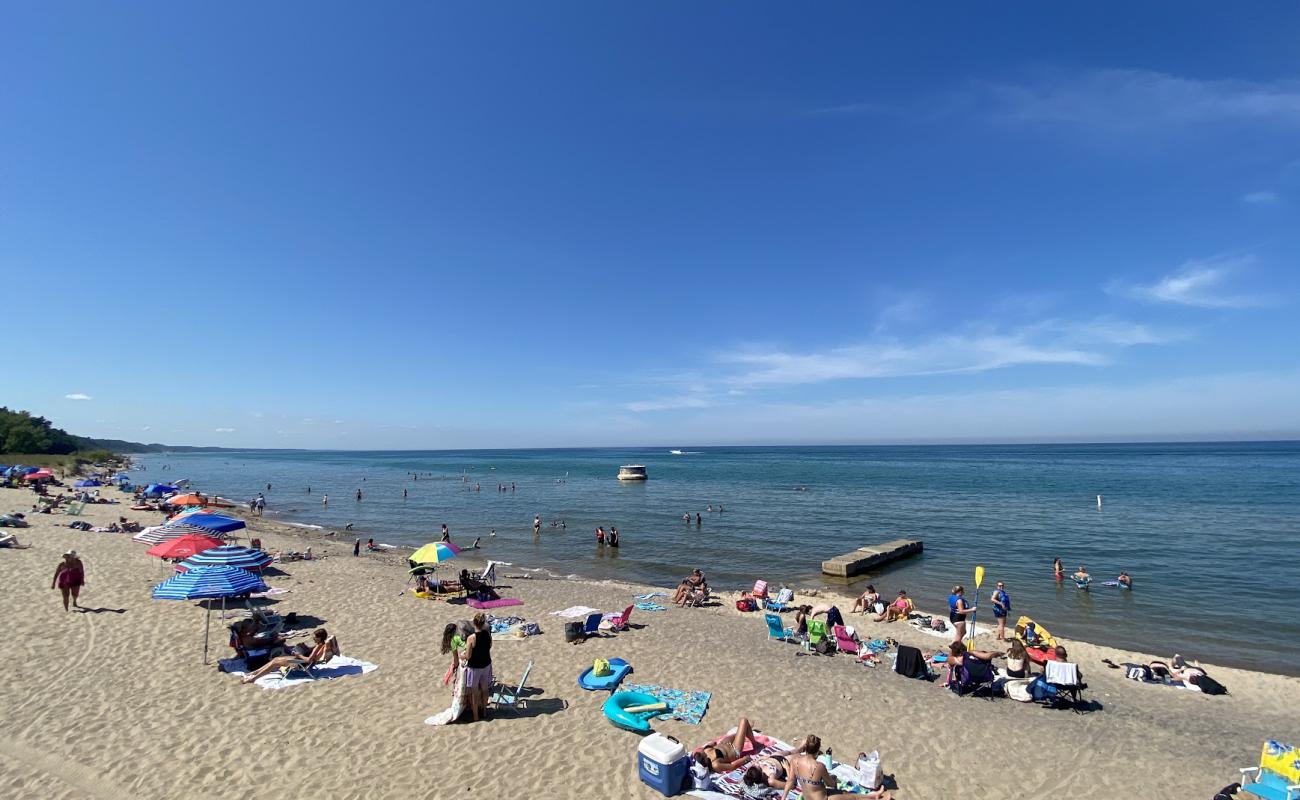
(1210, 532)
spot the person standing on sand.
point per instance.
(1001, 607)
(356, 547)
(958, 608)
(69, 577)
(478, 665)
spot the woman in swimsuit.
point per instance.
(724, 756)
(325, 649)
(1058, 568)
(867, 601)
(69, 577)
(807, 773)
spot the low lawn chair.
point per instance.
(760, 590)
(592, 625)
(618, 622)
(1278, 775)
(781, 602)
(1064, 677)
(816, 634)
(975, 675)
(503, 697)
(844, 642)
(777, 630)
(74, 509)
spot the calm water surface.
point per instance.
(1210, 532)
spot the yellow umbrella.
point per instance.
(434, 552)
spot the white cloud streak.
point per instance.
(1125, 101)
(223, 430)
(76, 396)
(1195, 283)
(1260, 198)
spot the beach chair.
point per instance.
(777, 630)
(781, 602)
(1064, 677)
(760, 590)
(844, 642)
(592, 626)
(74, 509)
(816, 634)
(973, 676)
(502, 697)
(618, 622)
(1278, 775)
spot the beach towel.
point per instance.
(272, 592)
(457, 707)
(946, 633)
(573, 612)
(730, 784)
(648, 606)
(336, 667)
(689, 707)
(502, 603)
(649, 596)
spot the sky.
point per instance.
(446, 225)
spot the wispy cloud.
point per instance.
(76, 396)
(147, 428)
(851, 109)
(1196, 283)
(977, 349)
(1260, 198)
(1125, 100)
(223, 430)
(669, 403)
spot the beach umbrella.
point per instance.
(230, 554)
(196, 499)
(38, 475)
(209, 583)
(434, 552)
(205, 523)
(87, 483)
(183, 546)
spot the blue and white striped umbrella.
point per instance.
(206, 523)
(231, 555)
(205, 583)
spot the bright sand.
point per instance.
(119, 705)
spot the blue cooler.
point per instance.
(663, 764)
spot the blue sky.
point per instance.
(547, 224)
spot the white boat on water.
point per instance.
(674, 452)
(632, 472)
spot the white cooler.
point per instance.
(662, 763)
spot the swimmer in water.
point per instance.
(1124, 580)
(1058, 569)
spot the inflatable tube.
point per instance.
(615, 710)
(618, 670)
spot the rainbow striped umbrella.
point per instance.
(434, 552)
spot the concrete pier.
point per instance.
(867, 558)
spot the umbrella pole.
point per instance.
(207, 619)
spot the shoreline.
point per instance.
(130, 655)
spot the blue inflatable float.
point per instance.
(618, 670)
(616, 706)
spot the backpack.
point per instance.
(1209, 685)
(824, 647)
(1138, 672)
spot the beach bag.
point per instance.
(746, 604)
(530, 628)
(1209, 685)
(869, 770)
(572, 631)
(600, 668)
(824, 647)
(937, 624)
(1138, 672)
(1018, 689)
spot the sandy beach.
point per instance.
(114, 701)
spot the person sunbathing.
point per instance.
(868, 601)
(688, 585)
(326, 648)
(10, 540)
(899, 609)
(726, 755)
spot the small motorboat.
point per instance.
(675, 452)
(632, 472)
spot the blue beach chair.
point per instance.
(592, 626)
(503, 698)
(776, 630)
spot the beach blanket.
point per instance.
(457, 707)
(689, 707)
(947, 631)
(648, 606)
(272, 592)
(730, 784)
(502, 603)
(336, 667)
(573, 612)
(650, 596)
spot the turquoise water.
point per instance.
(1209, 531)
